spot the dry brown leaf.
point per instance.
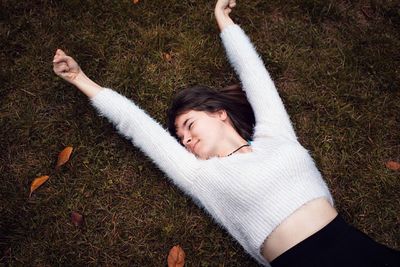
(176, 257)
(64, 156)
(76, 218)
(393, 165)
(167, 57)
(38, 182)
(135, 1)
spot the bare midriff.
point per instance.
(304, 222)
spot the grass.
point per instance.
(335, 64)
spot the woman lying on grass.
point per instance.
(267, 193)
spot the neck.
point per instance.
(231, 144)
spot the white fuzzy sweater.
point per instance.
(249, 194)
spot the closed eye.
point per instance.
(190, 125)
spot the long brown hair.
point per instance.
(232, 99)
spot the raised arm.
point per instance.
(270, 113)
(222, 10)
(133, 123)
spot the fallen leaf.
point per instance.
(176, 257)
(135, 1)
(393, 165)
(167, 57)
(64, 156)
(76, 218)
(38, 182)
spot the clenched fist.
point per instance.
(65, 66)
(225, 6)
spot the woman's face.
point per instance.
(201, 132)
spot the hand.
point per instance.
(224, 7)
(222, 10)
(65, 66)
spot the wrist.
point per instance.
(220, 14)
(223, 20)
(80, 78)
(86, 85)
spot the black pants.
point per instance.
(338, 244)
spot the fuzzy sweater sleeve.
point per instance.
(147, 134)
(270, 114)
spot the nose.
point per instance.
(187, 139)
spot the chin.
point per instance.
(201, 155)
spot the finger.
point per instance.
(232, 3)
(60, 52)
(69, 59)
(59, 58)
(65, 75)
(61, 68)
(63, 65)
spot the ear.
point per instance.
(222, 114)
